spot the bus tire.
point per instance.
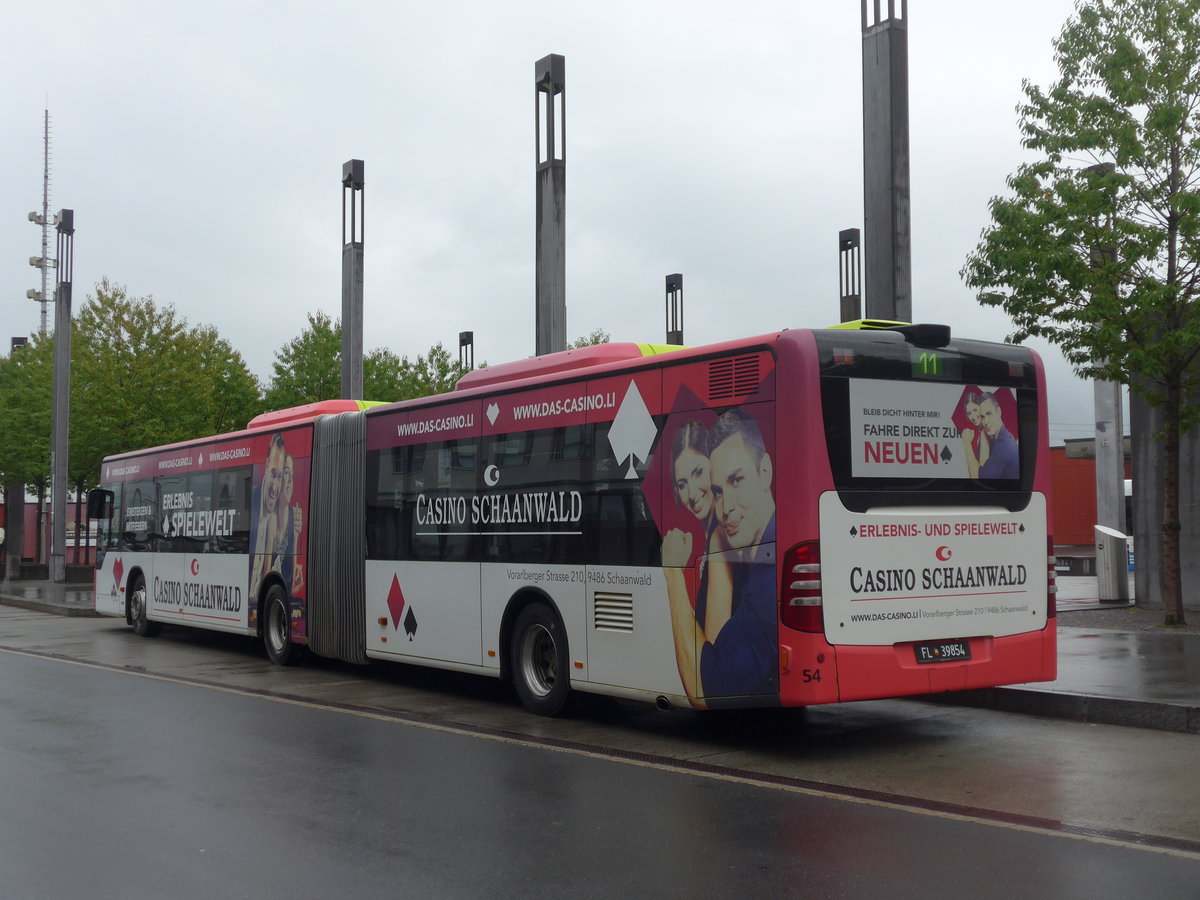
(277, 628)
(142, 626)
(540, 661)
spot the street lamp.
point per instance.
(353, 255)
(466, 350)
(674, 286)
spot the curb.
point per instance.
(1157, 716)
(54, 609)
(1172, 717)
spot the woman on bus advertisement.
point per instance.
(727, 645)
(289, 521)
(276, 526)
(982, 418)
(692, 489)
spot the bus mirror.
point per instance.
(100, 504)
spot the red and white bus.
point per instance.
(804, 517)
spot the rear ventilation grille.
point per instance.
(614, 612)
(734, 377)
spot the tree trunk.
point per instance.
(1171, 575)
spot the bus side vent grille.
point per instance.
(614, 612)
(734, 377)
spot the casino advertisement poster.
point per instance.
(910, 429)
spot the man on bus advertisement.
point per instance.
(989, 447)
(719, 555)
(277, 523)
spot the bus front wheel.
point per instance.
(142, 626)
(539, 660)
(277, 628)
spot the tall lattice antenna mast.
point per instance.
(44, 262)
(45, 215)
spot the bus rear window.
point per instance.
(903, 430)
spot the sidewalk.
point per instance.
(45, 596)
(1140, 679)
(1136, 678)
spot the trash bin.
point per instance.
(1112, 565)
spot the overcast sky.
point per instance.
(201, 148)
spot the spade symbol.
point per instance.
(946, 454)
(1022, 528)
(410, 623)
(853, 531)
(633, 431)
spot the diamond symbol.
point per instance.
(118, 571)
(493, 412)
(395, 602)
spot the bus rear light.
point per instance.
(1051, 580)
(800, 599)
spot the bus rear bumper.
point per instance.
(871, 673)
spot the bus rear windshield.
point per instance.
(907, 424)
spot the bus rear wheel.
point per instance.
(277, 628)
(539, 660)
(142, 626)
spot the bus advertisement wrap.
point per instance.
(912, 429)
(675, 528)
(921, 574)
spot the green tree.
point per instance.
(1097, 248)
(434, 373)
(140, 376)
(308, 369)
(599, 336)
(26, 394)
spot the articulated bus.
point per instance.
(805, 517)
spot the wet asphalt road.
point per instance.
(115, 784)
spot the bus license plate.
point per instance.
(943, 651)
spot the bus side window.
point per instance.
(447, 478)
(172, 494)
(619, 529)
(231, 491)
(532, 463)
(139, 515)
(194, 538)
(385, 502)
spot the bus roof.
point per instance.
(563, 361)
(309, 411)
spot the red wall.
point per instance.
(30, 549)
(1073, 505)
